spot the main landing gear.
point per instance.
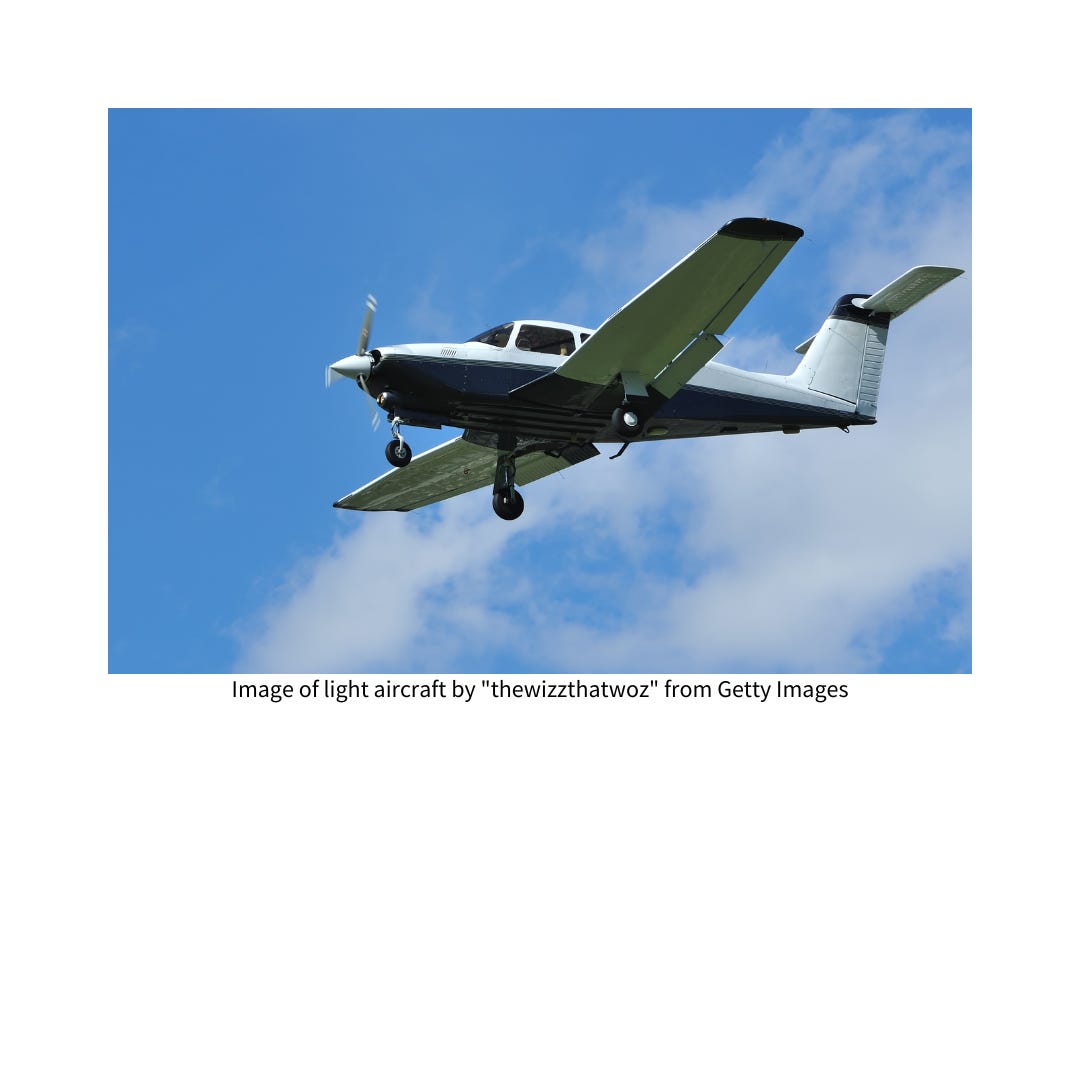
(637, 406)
(398, 451)
(627, 421)
(506, 501)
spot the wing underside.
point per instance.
(452, 469)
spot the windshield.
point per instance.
(497, 336)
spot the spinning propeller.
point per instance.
(358, 366)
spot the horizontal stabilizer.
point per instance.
(908, 289)
(895, 298)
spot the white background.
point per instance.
(878, 887)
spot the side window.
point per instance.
(545, 339)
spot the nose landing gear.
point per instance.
(398, 451)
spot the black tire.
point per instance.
(627, 423)
(508, 504)
(398, 454)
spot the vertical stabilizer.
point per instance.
(845, 358)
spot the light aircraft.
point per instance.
(535, 396)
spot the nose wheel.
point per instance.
(398, 453)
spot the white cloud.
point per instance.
(366, 602)
(749, 553)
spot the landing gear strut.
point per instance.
(505, 500)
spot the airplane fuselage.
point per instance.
(471, 385)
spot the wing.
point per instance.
(452, 469)
(665, 335)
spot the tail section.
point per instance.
(845, 358)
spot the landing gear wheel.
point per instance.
(508, 504)
(398, 453)
(627, 422)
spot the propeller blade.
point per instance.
(358, 367)
(365, 330)
(370, 403)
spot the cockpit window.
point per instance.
(545, 339)
(498, 336)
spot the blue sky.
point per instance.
(241, 247)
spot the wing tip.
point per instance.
(747, 228)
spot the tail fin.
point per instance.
(844, 359)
